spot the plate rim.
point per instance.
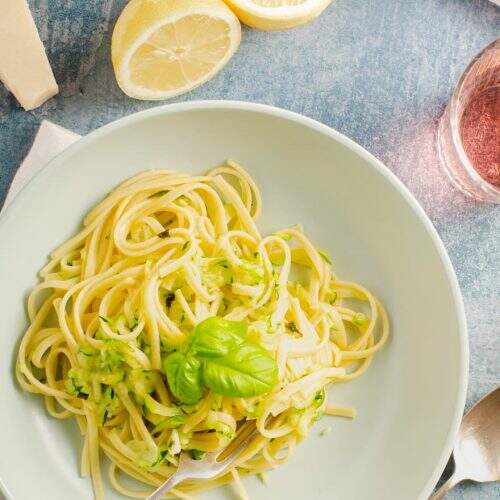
(374, 162)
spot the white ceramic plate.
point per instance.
(409, 402)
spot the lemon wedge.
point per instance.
(273, 15)
(163, 48)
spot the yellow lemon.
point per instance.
(163, 48)
(273, 15)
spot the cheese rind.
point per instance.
(24, 67)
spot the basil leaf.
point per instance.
(184, 377)
(218, 355)
(215, 337)
(246, 371)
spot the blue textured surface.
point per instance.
(380, 71)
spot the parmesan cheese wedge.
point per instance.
(24, 67)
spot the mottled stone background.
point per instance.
(380, 71)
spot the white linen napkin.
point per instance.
(49, 141)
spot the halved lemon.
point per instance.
(163, 48)
(274, 15)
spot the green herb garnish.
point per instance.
(324, 256)
(219, 356)
(331, 297)
(263, 478)
(169, 298)
(164, 234)
(158, 194)
(86, 351)
(197, 454)
(170, 423)
(319, 398)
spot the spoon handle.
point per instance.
(446, 487)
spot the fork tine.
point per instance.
(209, 466)
(230, 453)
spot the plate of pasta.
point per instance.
(213, 264)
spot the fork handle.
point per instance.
(170, 483)
(446, 487)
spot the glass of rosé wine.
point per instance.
(468, 135)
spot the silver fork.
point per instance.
(211, 465)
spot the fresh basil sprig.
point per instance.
(219, 356)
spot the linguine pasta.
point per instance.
(111, 339)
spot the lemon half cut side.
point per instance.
(162, 48)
